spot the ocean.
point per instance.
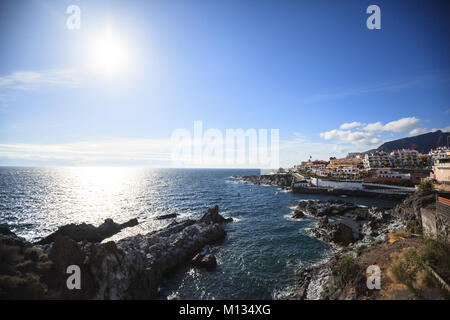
(259, 258)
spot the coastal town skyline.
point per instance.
(113, 91)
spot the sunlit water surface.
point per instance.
(258, 259)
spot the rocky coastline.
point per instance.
(280, 180)
(342, 224)
(134, 267)
(355, 231)
(131, 268)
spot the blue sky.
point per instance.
(311, 69)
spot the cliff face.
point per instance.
(409, 209)
(344, 277)
(422, 143)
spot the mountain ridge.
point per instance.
(422, 143)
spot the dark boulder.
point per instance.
(166, 216)
(7, 237)
(212, 216)
(409, 209)
(319, 208)
(323, 222)
(207, 261)
(342, 235)
(298, 213)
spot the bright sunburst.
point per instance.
(109, 54)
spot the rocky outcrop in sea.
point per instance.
(343, 223)
(88, 232)
(280, 180)
(131, 268)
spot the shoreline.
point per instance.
(344, 275)
(348, 192)
(133, 256)
(288, 182)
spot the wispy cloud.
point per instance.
(444, 129)
(33, 80)
(145, 152)
(400, 125)
(385, 87)
(354, 137)
(299, 148)
(123, 150)
(369, 135)
(417, 131)
(350, 125)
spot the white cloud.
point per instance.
(30, 80)
(350, 125)
(400, 125)
(445, 129)
(384, 87)
(418, 131)
(377, 126)
(139, 150)
(354, 137)
(293, 151)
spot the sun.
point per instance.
(109, 54)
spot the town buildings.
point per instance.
(389, 173)
(406, 164)
(395, 159)
(404, 157)
(344, 163)
(441, 171)
(439, 153)
(377, 159)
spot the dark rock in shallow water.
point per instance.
(212, 216)
(166, 216)
(281, 180)
(207, 261)
(325, 207)
(88, 232)
(298, 214)
(323, 222)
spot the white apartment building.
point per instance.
(351, 171)
(321, 172)
(438, 154)
(389, 173)
(377, 160)
(312, 165)
(404, 157)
